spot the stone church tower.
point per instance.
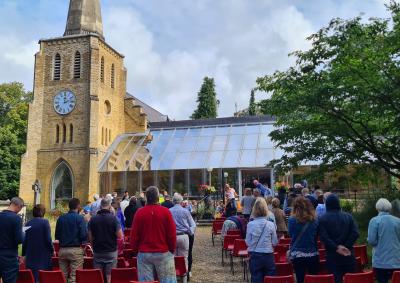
(79, 107)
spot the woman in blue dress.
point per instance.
(37, 247)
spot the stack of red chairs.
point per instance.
(279, 279)
(396, 277)
(88, 251)
(25, 276)
(284, 269)
(127, 234)
(132, 262)
(55, 261)
(285, 241)
(361, 252)
(88, 263)
(144, 282)
(123, 275)
(129, 253)
(235, 232)
(56, 245)
(121, 263)
(281, 250)
(329, 278)
(51, 277)
(216, 228)
(180, 266)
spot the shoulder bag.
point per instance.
(303, 230)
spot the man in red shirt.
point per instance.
(153, 236)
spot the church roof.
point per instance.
(153, 115)
(84, 17)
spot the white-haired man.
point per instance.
(95, 205)
(185, 227)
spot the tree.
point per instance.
(252, 104)
(207, 101)
(13, 126)
(340, 103)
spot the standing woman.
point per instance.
(130, 211)
(260, 239)
(303, 229)
(247, 202)
(37, 247)
(280, 218)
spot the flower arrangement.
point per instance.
(281, 185)
(206, 189)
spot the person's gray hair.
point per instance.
(256, 191)
(152, 195)
(105, 203)
(383, 205)
(177, 199)
(96, 196)
(298, 186)
(17, 201)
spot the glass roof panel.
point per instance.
(219, 143)
(253, 129)
(203, 143)
(189, 144)
(248, 158)
(182, 160)
(231, 159)
(215, 159)
(250, 141)
(197, 160)
(235, 142)
(222, 130)
(208, 131)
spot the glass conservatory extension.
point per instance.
(182, 158)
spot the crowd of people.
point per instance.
(158, 233)
(307, 217)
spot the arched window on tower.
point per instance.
(71, 133)
(102, 70)
(57, 134)
(64, 133)
(62, 184)
(112, 76)
(77, 65)
(57, 67)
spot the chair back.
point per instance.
(88, 263)
(132, 262)
(129, 253)
(217, 226)
(180, 266)
(25, 276)
(322, 254)
(396, 277)
(328, 278)
(284, 269)
(89, 275)
(238, 246)
(123, 275)
(279, 279)
(233, 232)
(285, 241)
(121, 263)
(323, 270)
(359, 266)
(229, 240)
(88, 250)
(127, 232)
(56, 246)
(51, 276)
(55, 262)
(365, 277)
(361, 252)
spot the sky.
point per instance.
(171, 45)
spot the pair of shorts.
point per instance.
(105, 261)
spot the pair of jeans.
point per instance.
(303, 264)
(261, 265)
(160, 264)
(71, 259)
(339, 270)
(384, 275)
(190, 256)
(9, 268)
(182, 247)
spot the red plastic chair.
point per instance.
(123, 275)
(227, 246)
(323, 270)
(127, 232)
(56, 246)
(396, 277)
(285, 241)
(132, 262)
(234, 232)
(88, 251)
(281, 250)
(55, 261)
(365, 277)
(51, 276)
(144, 282)
(284, 269)
(361, 252)
(180, 266)
(129, 253)
(89, 275)
(127, 246)
(88, 263)
(329, 278)
(121, 263)
(216, 229)
(279, 279)
(239, 250)
(25, 276)
(359, 266)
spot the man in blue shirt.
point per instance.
(10, 237)
(71, 232)
(185, 227)
(265, 191)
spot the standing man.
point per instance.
(126, 196)
(338, 232)
(153, 236)
(265, 192)
(104, 230)
(167, 202)
(71, 232)
(185, 227)
(10, 237)
(95, 205)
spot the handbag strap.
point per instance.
(303, 230)
(262, 232)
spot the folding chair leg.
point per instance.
(232, 269)
(212, 238)
(222, 256)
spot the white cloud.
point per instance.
(171, 45)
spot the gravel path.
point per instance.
(207, 265)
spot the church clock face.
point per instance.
(64, 102)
